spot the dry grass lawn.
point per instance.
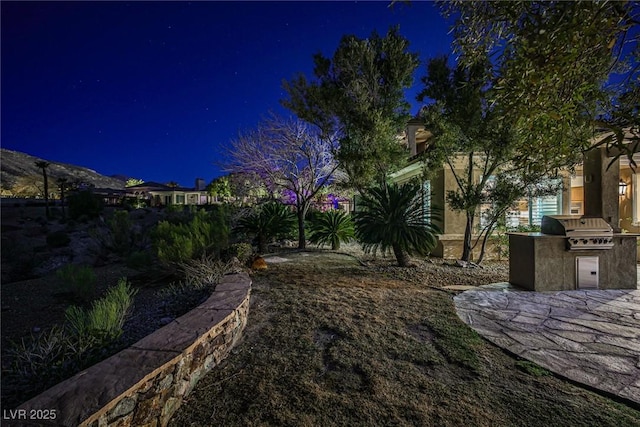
(333, 343)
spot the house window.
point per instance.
(541, 206)
(180, 199)
(426, 201)
(527, 211)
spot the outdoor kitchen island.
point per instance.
(573, 253)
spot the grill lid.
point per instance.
(571, 225)
(582, 233)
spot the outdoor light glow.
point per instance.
(622, 188)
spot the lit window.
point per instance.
(527, 211)
(426, 201)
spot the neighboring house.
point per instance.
(596, 192)
(163, 195)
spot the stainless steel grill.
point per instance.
(582, 233)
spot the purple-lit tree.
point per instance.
(288, 156)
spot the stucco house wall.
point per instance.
(603, 198)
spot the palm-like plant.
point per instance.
(393, 218)
(44, 165)
(331, 227)
(271, 220)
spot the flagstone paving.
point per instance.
(589, 336)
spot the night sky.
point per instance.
(155, 90)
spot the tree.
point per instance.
(473, 140)
(286, 155)
(133, 181)
(552, 62)
(44, 165)
(359, 95)
(393, 218)
(63, 185)
(219, 188)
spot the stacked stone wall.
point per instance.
(145, 384)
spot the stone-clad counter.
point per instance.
(541, 262)
(144, 384)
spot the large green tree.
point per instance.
(472, 139)
(219, 188)
(552, 63)
(359, 94)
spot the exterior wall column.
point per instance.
(601, 197)
(412, 128)
(566, 195)
(411, 139)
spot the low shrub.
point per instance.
(269, 221)
(121, 232)
(58, 239)
(331, 228)
(57, 353)
(45, 359)
(205, 233)
(205, 270)
(106, 317)
(242, 251)
(79, 280)
(173, 243)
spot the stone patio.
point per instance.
(588, 336)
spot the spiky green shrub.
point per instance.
(242, 251)
(106, 317)
(393, 218)
(121, 232)
(57, 353)
(267, 222)
(331, 228)
(172, 243)
(204, 233)
(79, 280)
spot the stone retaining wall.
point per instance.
(144, 385)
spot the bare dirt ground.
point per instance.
(331, 341)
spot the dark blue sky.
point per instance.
(154, 90)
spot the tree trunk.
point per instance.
(401, 256)
(301, 211)
(335, 245)
(487, 234)
(483, 248)
(46, 192)
(466, 244)
(262, 244)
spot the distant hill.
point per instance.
(18, 171)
